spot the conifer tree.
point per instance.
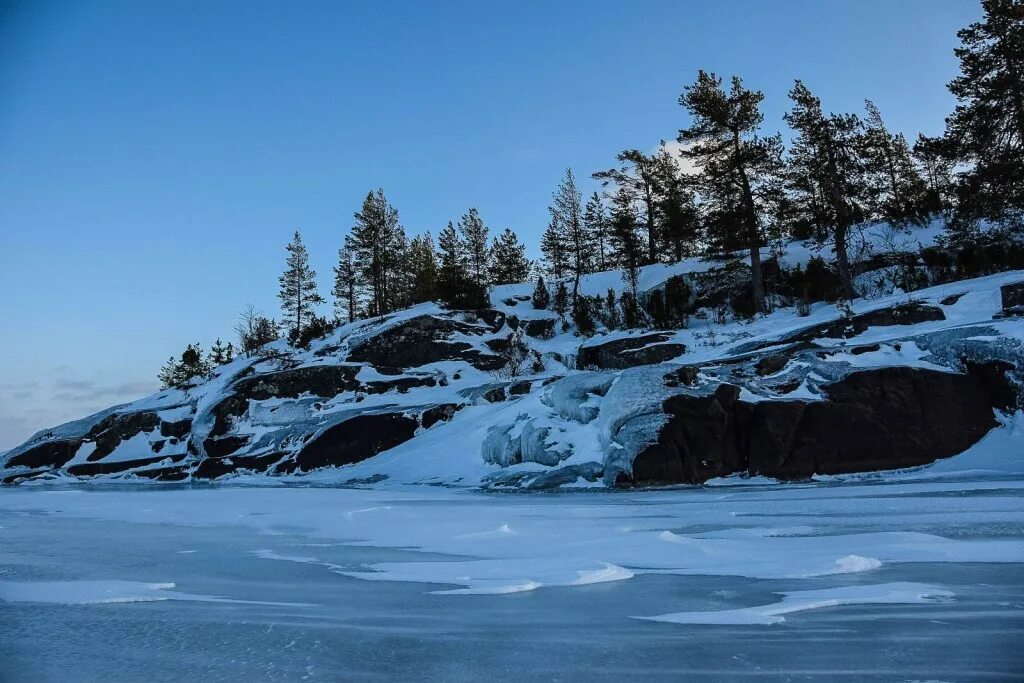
(541, 297)
(298, 293)
(567, 212)
(451, 271)
(678, 218)
(377, 243)
(422, 269)
(508, 259)
(825, 174)
(560, 302)
(596, 224)
(638, 176)
(554, 250)
(937, 170)
(895, 184)
(346, 280)
(737, 163)
(473, 234)
(221, 353)
(611, 305)
(628, 248)
(181, 373)
(985, 133)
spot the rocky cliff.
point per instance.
(425, 396)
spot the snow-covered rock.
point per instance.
(421, 396)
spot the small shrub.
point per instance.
(541, 297)
(582, 317)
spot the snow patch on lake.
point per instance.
(109, 591)
(801, 601)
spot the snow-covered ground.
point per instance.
(913, 575)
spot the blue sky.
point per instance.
(156, 157)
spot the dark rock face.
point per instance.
(904, 314)
(495, 395)
(320, 380)
(91, 469)
(420, 341)
(48, 454)
(354, 440)
(771, 364)
(113, 429)
(995, 375)
(520, 388)
(441, 413)
(629, 352)
(886, 418)
(226, 445)
(178, 430)
(401, 384)
(211, 468)
(1013, 298)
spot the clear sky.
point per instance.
(155, 157)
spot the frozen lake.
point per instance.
(892, 579)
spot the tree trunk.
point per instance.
(842, 225)
(753, 233)
(651, 237)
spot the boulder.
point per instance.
(771, 364)
(439, 413)
(520, 388)
(1013, 298)
(629, 352)
(424, 340)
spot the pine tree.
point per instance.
(678, 218)
(181, 373)
(377, 243)
(422, 269)
(554, 250)
(638, 176)
(221, 353)
(895, 184)
(451, 267)
(985, 133)
(541, 297)
(508, 259)
(560, 302)
(611, 320)
(736, 162)
(628, 248)
(298, 293)
(582, 316)
(825, 173)
(937, 170)
(567, 212)
(473, 235)
(346, 280)
(595, 221)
